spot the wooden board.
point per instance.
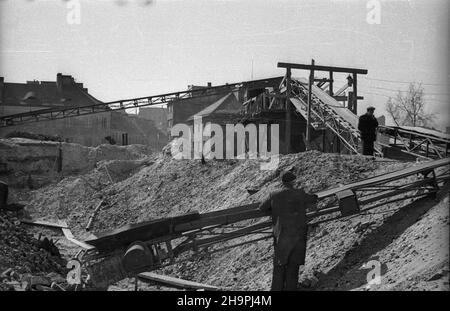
(175, 282)
(37, 222)
(69, 236)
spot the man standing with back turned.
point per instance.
(367, 126)
(288, 209)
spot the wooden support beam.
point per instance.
(322, 68)
(322, 80)
(288, 121)
(342, 98)
(355, 93)
(308, 113)
(331, 83)
(350, 101)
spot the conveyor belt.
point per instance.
(326, 111)
(201, 232)
(418, 142)
(180, 225)
(385, 178)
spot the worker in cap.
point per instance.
(367, 126)
(287, 207)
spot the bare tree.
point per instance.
(409, 109)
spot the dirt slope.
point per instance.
(160, 186)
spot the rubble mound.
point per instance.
(21, 254)
(160, 186)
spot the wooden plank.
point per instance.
(222, 237)
(69, 236)
(387, 177)
(44, 223)
(175, 282)
(94, 214)
(341, 98)
(322, 68)
(227, 217)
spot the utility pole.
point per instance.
(288, 124)
(308, 121)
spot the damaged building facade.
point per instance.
(90, 130)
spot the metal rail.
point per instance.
(421, 145)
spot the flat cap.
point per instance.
(370, 108)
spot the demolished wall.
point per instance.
(32, 163)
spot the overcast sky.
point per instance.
(124, 49)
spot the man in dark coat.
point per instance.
(288, 209)
(367, 126)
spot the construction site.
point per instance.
(198, 221)
(111, 195)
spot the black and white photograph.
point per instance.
(218, 152)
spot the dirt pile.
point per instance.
(159, 186)
(163, 187)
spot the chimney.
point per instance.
(63, 81)
(59, 82)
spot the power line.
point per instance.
(429, 99)
(405, 82)
(393, 90)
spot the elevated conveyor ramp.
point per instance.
(418, 142)
(329, 113)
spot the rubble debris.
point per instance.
(23, 254)
(18, 134)
(49, 245)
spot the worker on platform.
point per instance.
(367, 126)
(288, 210)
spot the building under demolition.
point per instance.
(310, 113)
(108, 126)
